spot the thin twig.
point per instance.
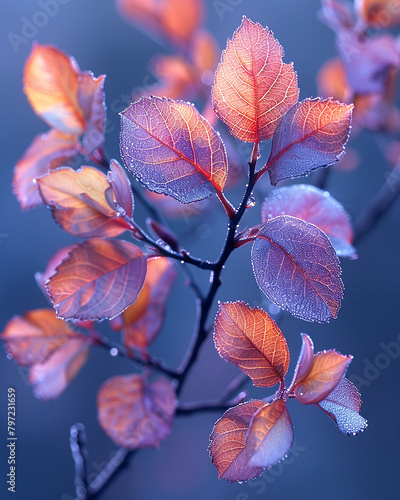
(77, 442)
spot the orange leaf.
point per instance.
(99, 279)
(172, 149)
(227, 447)
(136, 413)
(172, 19)
(270, 435)
(379, 14)
(253, 88)
(205, 54)
(326, 371)
(52, 264)
(51, 81)
(176, 77)
(51, 378)
(332, 81)
(36, 335)
(46, 152)
(79, 203)
(144, 318)
(251, 340)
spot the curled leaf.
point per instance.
(121, 187)
(304, 361)
(134, 412)
(296, 267)
(46, 152)
(343, 405)
(228, 447)
(251, 340)
(316, 206)
(79, 203)
(253, 88)
(327, 369)
(270, 435)
(311, 134)
(172, 149)
(99, 279)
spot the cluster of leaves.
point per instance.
(173, 150)
(368, 60)
(255, 435)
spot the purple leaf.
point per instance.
(316, 206)
(304, 362)
(296, 267)
(343, 406)
(311, 134)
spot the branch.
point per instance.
(109, 471)
(379, 205)
(77, 442)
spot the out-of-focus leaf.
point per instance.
(177, 79)
(121, 187)
(135, 413)
(326, 371)
(380, 14)
(172, 149)
(142, 321)
(270, 435)
(36, 335)
(296, 266)
(338, 15)
(46, 152)
(91, 101)
(51, 378)
(227, 447)
(253, 88)
(79, 203)
(172, 209)
(99, 279)
(304, 362)
(311, 134)
(368, 61)
(313, 205)
(175, 20)
(343, 405)
(205, 54)
(248, 338)
(51, 81)
(332, 81)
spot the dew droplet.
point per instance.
(114, 351)
(251, 202)
(9, 356)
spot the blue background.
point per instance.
(325, 464)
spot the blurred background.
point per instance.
(324, 464)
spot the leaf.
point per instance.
(79, 203)
(172, 209)
(52, 264)
(253, 88)
(316, 206)
(98, 280)
(251, 340)
(205, 55)
(296, 267)
(343, 405)
(51, 81)
(270, 435)
(227, 447)
(91, 102)
(304, 362)
(51, 378)
(368, 61)
(327, 369)
(36, 335)
(175, 20)
(135, 413)
(337, 15)
(46, 152)
(121, 187)
(380, 14)
(172, 149)
(142, 321)
(332, 81)
(176, 77)
(311, 134)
